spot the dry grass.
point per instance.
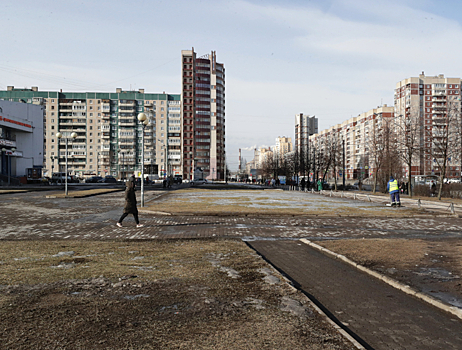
(242, 202)
(389, 252)
(34, 262)
(85, 193)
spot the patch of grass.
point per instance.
(77, 194)
(34, 262)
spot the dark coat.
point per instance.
(130, 198)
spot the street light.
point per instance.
(144, 122)
(9, 162)
(123, 164)
(59, 136)
(165, 158)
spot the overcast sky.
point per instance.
(333, 59)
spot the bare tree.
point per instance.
(376, 145)
(334, 154)
(445, 136)
(409, 130)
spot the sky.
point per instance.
(330, 58)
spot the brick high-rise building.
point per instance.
(427, 100)
(203, 116)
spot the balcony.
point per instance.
(127, 104)
(131, 110)
(127, 124)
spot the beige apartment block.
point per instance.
(109, 135)
(283, 146)
(355, 137)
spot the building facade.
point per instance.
(305, 126)
(203, 115)
(431, 102)
(109, 136)
(353, 140)
(21, 138)
(283, 146)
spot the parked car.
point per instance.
(109, 179)
(60, 178)
(93, 179)
(178, 179)
(75, 178)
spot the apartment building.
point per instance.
(109, 136)
(203, 115)
(428, 100)
(353, 139)
(283, 146)
(305, 126)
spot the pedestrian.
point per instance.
(302, 184)
(130, 203)
(433, 189)
(392, 187)
(319, 183)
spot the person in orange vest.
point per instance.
(392, 187)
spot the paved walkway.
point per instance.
(379, 316)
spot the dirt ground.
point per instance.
(433, 266)
(201, 294)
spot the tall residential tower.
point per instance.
(203, 96)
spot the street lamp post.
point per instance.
(123, 164)
(144, 122)
(8, 162)
(165, 159)
(59, 136)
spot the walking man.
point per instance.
(130, 203)
(392, 187)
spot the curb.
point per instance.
(398, 285)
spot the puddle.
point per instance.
(437, 273)
(446, 297)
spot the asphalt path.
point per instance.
(376, 314)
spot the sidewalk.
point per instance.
(378, 315)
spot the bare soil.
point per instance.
(201, 294)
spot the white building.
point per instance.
(21, 138)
